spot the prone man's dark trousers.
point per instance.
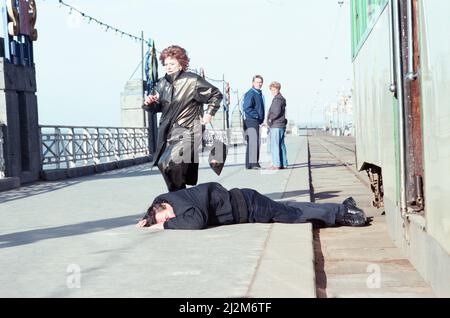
(265, 210)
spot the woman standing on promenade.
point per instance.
(277, 123)
(180, 96)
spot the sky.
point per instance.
(82, 69)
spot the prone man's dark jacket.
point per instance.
(277, 112)
(196, 208)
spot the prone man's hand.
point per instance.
(142, 223)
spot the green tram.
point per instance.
(401, 76)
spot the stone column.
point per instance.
(19, 116)
(132, 114)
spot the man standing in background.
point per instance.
(253, 111)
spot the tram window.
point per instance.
(364, 16)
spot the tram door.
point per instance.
(412, 105)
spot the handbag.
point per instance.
(217, 155)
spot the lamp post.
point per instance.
(227, 103)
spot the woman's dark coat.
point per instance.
(277, 112)
(181, 99)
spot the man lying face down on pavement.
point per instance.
(210, 204)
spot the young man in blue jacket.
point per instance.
(253, 112)
(210, 204)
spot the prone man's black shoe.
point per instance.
(352, 219)
(353, 215)
(349, 202)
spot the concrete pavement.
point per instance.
(77, 238)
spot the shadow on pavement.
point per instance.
(326, 195)
(42, 187)
(36, 189)
(32, 236)
(319, 262)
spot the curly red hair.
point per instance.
(176, 52)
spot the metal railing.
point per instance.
(227, 136)
(75, 146)
(65, 147)
(2, 158)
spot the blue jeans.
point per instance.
(278, 147)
